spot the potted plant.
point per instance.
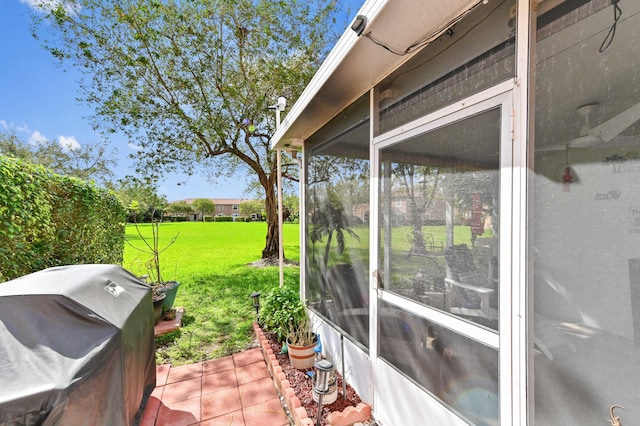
(170, 289)
(281, 306)
(158, 299)
(164, 292)
(284, 314)
(168, 314)
(301, 342)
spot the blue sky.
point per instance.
(38, 101)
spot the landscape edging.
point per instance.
(348, 416)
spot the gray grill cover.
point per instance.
(76, 347)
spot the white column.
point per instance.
(280, 219)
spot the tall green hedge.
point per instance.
(50, 220)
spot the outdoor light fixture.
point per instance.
(256, 300)
(323, 368)
(359, 24)
(280, 105)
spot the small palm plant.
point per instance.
(330, 219)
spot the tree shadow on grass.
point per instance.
(220, 312)
(166, 339)
(187, 320)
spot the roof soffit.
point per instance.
(356, 64)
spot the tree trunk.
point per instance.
(419, 245)
(418, 242)
(271, 207)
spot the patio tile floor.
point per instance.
(234, 390)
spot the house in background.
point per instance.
(515, 125)
(224, 207)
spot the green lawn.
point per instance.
(210, 261)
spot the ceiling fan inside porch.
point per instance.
(607, 132)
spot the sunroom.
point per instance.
(470, 190)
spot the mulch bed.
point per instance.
(302, 385)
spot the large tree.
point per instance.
(204, 206)
(65, 157)
(144, 195)
(250, 207)
(179, 208)
(190, 81)
(420, 185)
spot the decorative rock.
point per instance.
(348, 416)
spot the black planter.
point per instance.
(158, 300)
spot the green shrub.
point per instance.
(89, 223)
(26, 232)
(174, 218)
(281, 306)
(223, 219)
(51, 220)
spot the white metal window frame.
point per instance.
(501, 95)
(516, 408)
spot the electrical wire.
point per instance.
(450, 31)
(395, 52)
(426, 39)
(617, 13)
